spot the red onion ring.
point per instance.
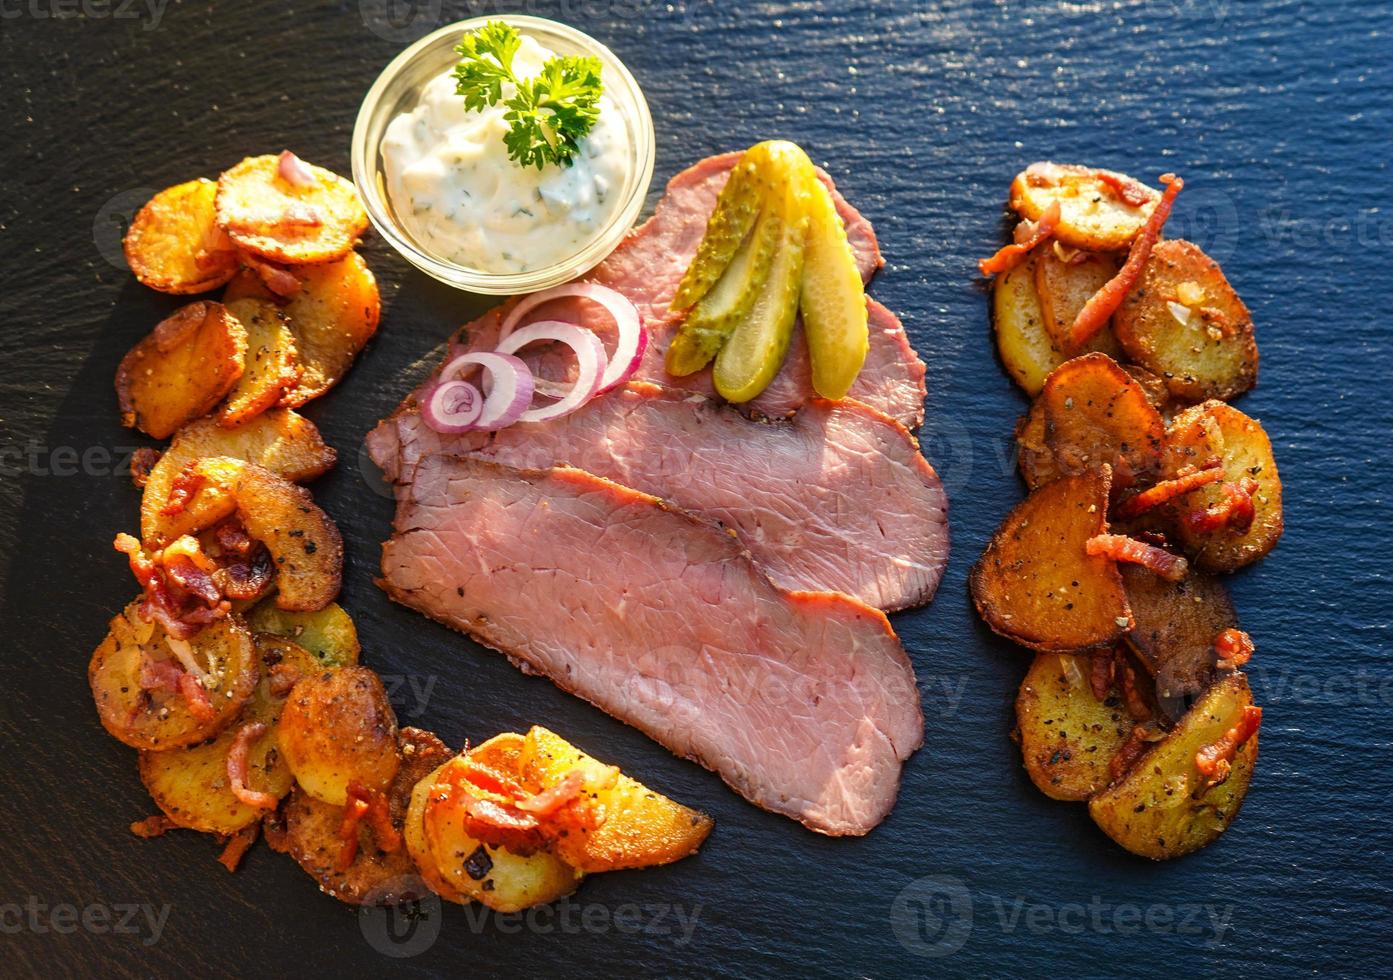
(448, 407)
(590, 361)
(295, 171)
(632, 337)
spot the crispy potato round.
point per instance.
(181, 369)
(641, 827)
(310, 833)
(271, 367)
(339, 728)
(1204, 344)
(414, 836)
(1095, 414)
(190, 784)
(175, 245)
(1218, 429)
(1155, 388)
(1036, 584)
(280, 440)
(1093, 214)
(1034, 458)
(332, 316)
(1064, 288)
(1177, 623)
(1163, 807)
(304, 542)
(266, 214)
(1068, 737)
(160, 719)
(328, 633)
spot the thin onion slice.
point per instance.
(294, 170)
(590, 362)
(628, 349)
(445, 407)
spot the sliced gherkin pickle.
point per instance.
(833, 299)
(719, 312)
(728, 227)
(755, 351)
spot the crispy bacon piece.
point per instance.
(1168, 490)
(1128, 753)
(1234, 648)
(1027, 236)
(488, 779)
(187, 483)
(181, 612)
(237, 768)
(153, 826)
(237, 846)
(196, 698)
(379, 817)
(1104, 303)
(1129, 190)
(1215, 760)
(353, 814)
(143, 460)
(1100, 673)
(1235, 512)
(1131, 695)
(1158, 561)
(547, 802)
(181, 570)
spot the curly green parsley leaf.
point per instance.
(549, 114)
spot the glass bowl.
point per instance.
(398, 89)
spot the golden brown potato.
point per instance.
(328, 633)
(334, 313)
(641, 827)
(1184, 321)
(1068, 737)
(309, 832)
(1154, 386)
(1036, 584)
(266, 214)
(1095, 213)
(175, 245)
(182, 369)
(280, 440)
(1217, 429)
(157, 715)
(1034, 458)
(1177, 623)
(191, 784)
(214, 499)
(1065, 286)
(1095, 414)
(1165, 807)
(338, 728)
(418, 847)
(271, 367)
(304, 543)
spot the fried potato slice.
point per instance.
(328, 633)
(308, 831)
(304, 542)
(266, 214)
(641, 827)
(271, 367)
(1095, 414)
(283, 442)
(175, 245)
(1034, 458)
(181, 369)
(1067, 736)
(1176, 625)
(1184, 321)
(191, 784)
(159, 718)
(334, 313)
(1155, 388)
(1094, 213)
(413, 834)
(1164, 807)
(466, 867)
(338, 728)
(1218, 429)
(1065, 286)
(1036, 584)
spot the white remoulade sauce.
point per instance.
(455, 191)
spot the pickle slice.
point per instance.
(751, 180)
(755, 351)
(719, 312)
(833, 298)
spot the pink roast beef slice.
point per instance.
(803, 702)
(649, 263)
(837, 498)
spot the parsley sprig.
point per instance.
(549, 114)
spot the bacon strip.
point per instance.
(1214, 761)
(1130, 191)
(1010, 256)
(1128, 753)
(1168, 490)
(1100, 673)
(1104, 303)
(187, 483)
(237, 769)
(1119, 547)
(1234, 647)
(548, 801)
(1235, 512)
(379, 817)
(353, 814)
(237, 847)
(153, 826)
(196, 698)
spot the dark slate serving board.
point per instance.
(1278, 114)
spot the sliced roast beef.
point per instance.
(837, 498)
(649, 263)
(805, 703)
